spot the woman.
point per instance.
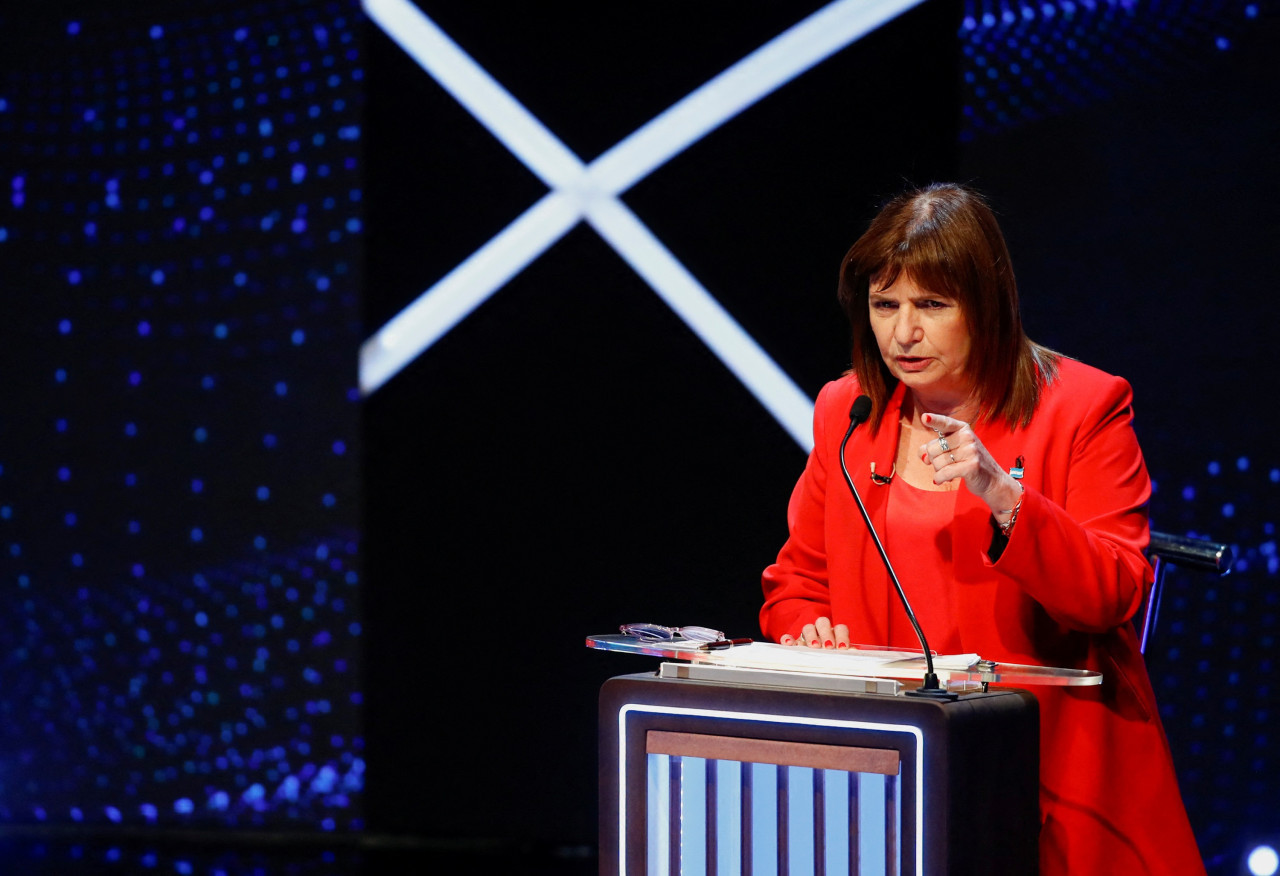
(1010, 492)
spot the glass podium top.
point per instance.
(766, 662)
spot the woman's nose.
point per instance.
(907, 329)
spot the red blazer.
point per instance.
(1062, 594)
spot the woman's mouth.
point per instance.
(913, 363)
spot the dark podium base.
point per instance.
(851, 781)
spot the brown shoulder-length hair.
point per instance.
(945, 237)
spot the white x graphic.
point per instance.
(579, 192)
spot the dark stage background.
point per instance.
(241, 595)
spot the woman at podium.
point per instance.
(1007, 486)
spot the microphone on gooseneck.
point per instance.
(930, 688)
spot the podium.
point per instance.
(702, 773)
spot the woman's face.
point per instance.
(924, 339)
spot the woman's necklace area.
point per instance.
(910, 466)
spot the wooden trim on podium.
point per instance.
(882, 761)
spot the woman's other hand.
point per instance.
(821, 634)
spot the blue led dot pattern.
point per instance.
(1023, 61)
(179, 548)
(1214, 651)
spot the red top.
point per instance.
(917, 538)
(1062, 594)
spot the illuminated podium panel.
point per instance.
(706, 777)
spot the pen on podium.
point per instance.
(721, 644)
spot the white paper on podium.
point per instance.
(853, 662)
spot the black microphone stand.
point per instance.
(930, 687)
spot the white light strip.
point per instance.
(473, 87)
(765, 70)
(771, 718)
(463, 289)
(578, 190)
(702, 313)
